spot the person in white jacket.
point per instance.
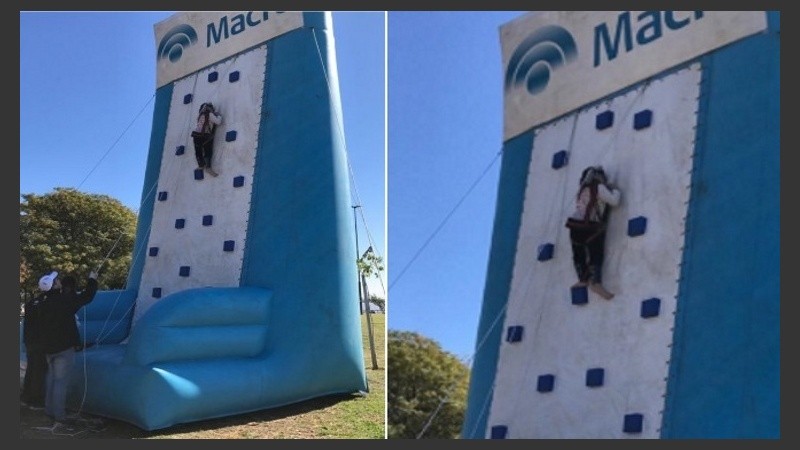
(203, 135)
(587, 225)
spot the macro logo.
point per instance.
(176, 41)
(536, 57)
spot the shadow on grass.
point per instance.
(35, 425)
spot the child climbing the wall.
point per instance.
(203, 135)
(587, 226)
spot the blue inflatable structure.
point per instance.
(680, 108)
(242, 294)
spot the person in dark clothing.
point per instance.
(33, 386)
(587, 225)
(203, 136)
(60, 338)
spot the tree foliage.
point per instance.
(73, 232)
(370, 264)
(379, 301)
(420, 375)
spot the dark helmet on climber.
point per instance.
(593, 174)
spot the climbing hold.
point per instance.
(633, 423)
(156, 292)
(187, 99)
(514, 333)
(180, 223)
(233, 77)
(559, 159)
(499, 431)
(650, 307)
(198, 174)
(212, 77)
(184, 271)
(637, 226)
(545, 383)
(153, 251)
(545, 252)
(642, 119)
(227, 246)
(179, 150)
(604, 120)
(580, 295)
(594, 377)
(208, 220)
(230, 136)
(162, 196)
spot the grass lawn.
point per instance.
(331, 417)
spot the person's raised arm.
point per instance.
(608, 193)
(91, 289)
(215, 117)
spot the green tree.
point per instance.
(370, 264)
(379, 301)
(73, 232)
(427, 388)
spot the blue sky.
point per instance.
(445, 130)
(87, 81)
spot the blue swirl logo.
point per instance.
(544, 51)
(175, 42)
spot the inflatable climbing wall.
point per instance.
(242, 293)
(682, 111)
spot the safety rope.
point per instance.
(468, 363)
(444, 221)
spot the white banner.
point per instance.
(557, 61)
(190, 41)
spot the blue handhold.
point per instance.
(179, 150)
(545, 252)
(208, 220)
(234, 76)
(153, 251)
(162, 196)
(637, 226)
(499, 431)
(228, 246)
(633, 423)
(594, 377)
(212, 77)
(514, 333)
(187, 99)
(651, 307)
(180, 223)
(559, 159)
(604, 120)
(198, 174)
(545, 383)
(580, 295)
(230, 136)
(156, 292)
(184, 271)
(238, 181)
(642, 119)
